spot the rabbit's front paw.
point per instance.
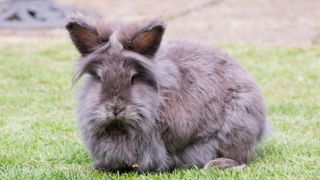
(100, 166)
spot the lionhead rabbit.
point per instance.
(148, 107)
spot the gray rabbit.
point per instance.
(147, 107)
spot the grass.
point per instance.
(39, 138)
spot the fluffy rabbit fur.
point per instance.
(148, 107)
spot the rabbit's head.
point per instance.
(122, 88)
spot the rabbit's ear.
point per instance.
(87, 33)
(147, 40)
(83, 35)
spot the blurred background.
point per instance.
(271, 22)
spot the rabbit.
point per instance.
(149, 106)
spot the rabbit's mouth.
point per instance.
(117, 127)
(120, 126)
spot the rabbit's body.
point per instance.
(213, 108)
(192, 105)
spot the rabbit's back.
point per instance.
(208, 84)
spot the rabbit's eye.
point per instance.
(95, 76)
(135, 78)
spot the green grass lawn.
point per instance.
(39, 137)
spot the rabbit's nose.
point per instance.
(117, 110)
